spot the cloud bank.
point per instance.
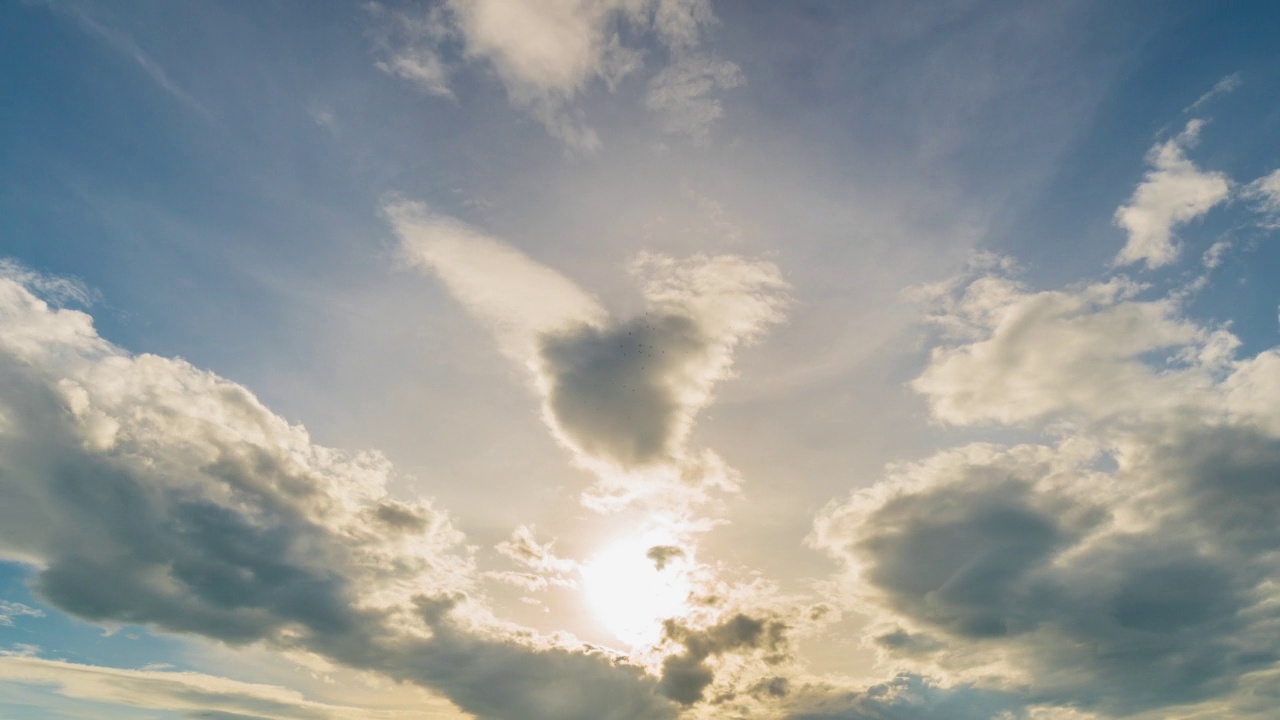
(143, 490)
(1125, 565)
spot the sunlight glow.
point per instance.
(630, 595)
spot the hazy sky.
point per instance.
(639, 360)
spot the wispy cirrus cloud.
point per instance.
(121, 42)
(1225, 86)
(192, 693)
(1264, 193)
(547, 54)
(11, 610)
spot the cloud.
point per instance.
(207, 695)
(546, 54)
(542, 566)
(1226, 85)
(1123, 565)
(1172, 193)
(11, 610)
(686, 675)
(518, 297)
(622, 395)
(1265, 194)
(122, 43)
(685, 94)
(1083, 352)
(144, 490)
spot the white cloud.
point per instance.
(1172, 193)
(1224, 86)
(1037, 355)
(11, 610)
(517, 296)
(628, 393)
(547, 53)
(1265, 194)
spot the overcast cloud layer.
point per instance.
(639, 360)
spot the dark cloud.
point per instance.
(619, 393)
(401, 517)
(1102, 615)
(686, 675)
(661, 555)
(901, 642)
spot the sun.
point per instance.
(633, 585)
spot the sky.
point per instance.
(639, 360)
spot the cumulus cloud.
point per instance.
(144, 490)
(1172, 193)
(546, 54)
(409, 44)
(1124, 565)
(622, 395)
(687, 674)
(905, 697)
(123, 44)
(628, 393)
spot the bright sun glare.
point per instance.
(630, 595)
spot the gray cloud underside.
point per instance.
(1126, 566)
(146, 491)
(614, 392)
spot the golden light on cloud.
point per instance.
(635, 584)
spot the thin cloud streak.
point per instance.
(122, 43)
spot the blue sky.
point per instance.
(638, 359)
